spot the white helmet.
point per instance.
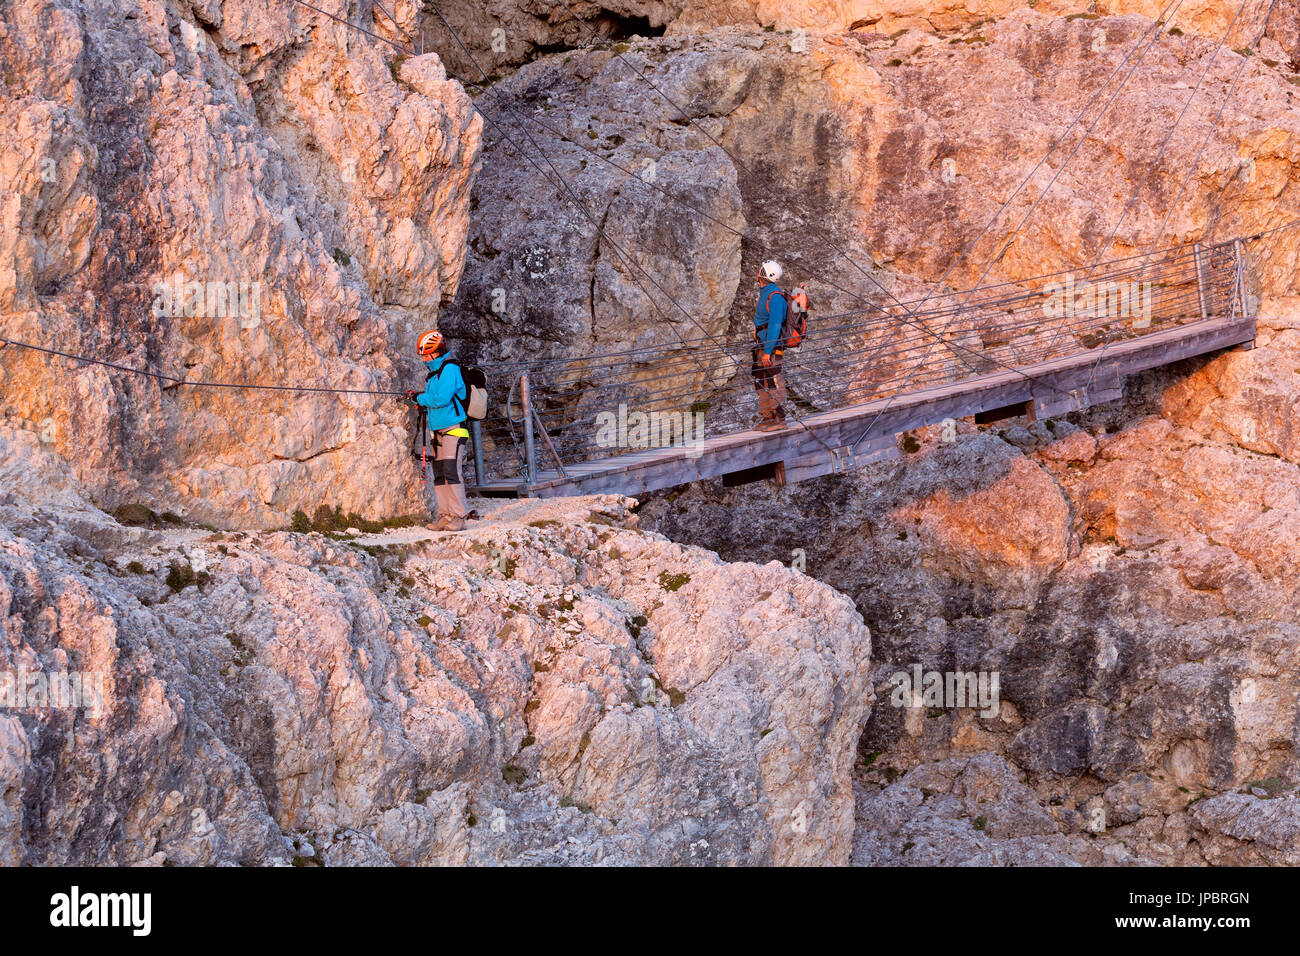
(771, 271)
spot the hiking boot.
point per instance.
(448, 523)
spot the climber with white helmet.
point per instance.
(769, 319)
(443, 406)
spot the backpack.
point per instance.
(795, 326)
(474, 405)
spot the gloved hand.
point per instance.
(764, 359)
(411, 395)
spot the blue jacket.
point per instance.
(769, 316)
(440, 391)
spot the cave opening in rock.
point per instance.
(616, 27)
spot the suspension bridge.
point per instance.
(1039, 349)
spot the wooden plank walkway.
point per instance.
(820, 444)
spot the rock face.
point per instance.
(552, 687)
(237, 192)
(887, 16)
(504, 33)
(487, 36)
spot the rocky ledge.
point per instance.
(552, 686)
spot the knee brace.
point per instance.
(446, 472)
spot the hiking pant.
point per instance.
(769, 383)
(448, 468)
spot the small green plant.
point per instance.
(980, 823)
(327, 520)
(911, 445)
(672, 582)
(1273, 786)
(424, 620)
(134, 515)
(135, 567)
(578, 804)
(513, 775)
(243, 655)
(181, 576)
(634, 625)
(341, 257)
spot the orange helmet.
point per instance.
(429, 344)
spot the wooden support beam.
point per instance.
(842, 459)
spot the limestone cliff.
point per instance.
(555, 686)
(501, 34)
(231, 192)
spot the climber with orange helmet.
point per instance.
(769, 318)
(443, 404)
